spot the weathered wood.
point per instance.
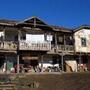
(46, 46)
(6, 45)
(7, 87)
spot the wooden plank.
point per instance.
(30, 58)
(7, 87)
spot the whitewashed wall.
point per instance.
(78, 35)
(35, 38)
(1, 33)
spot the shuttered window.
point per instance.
(83, 42)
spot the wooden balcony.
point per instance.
(68, 48)
(8, 45)
(61, 48)
(25, 45)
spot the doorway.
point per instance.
(2, 59)
(33, 63)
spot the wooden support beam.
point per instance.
(41, 63)
(64, 43)
(56, 41)
(18, 68)
(4, 35)
(62, 63)
(34, 22)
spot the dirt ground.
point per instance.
(69, 81)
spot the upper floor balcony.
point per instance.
(61, 48)
(8, 45)
(24, 45)
(27, 45)
(67, 48)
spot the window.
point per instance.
(60, 39)
(49, 37)
(83, 42)
(1, 35)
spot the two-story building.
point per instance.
(82, 46)
(32, 42)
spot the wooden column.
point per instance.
(80, 58)
(18, 67)
(19, 34)
(80, 62)
(34, 22)
(5, 65)
(64, 43)
(62, 63)
(5, 62)
(63, 53)
(4, 35)
(41, 63)
(56, 41)
(3, 42)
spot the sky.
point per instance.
(67, 13)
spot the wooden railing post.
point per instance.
(41, 63)
(56, 46)
(62, 61)
(64, 43)
(18, 64)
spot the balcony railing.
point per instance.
(26, 45)
(8, 45)
(65, 48)
(44, 46)
(60, 48)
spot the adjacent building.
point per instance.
(82, 45)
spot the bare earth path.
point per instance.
(66, 81)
